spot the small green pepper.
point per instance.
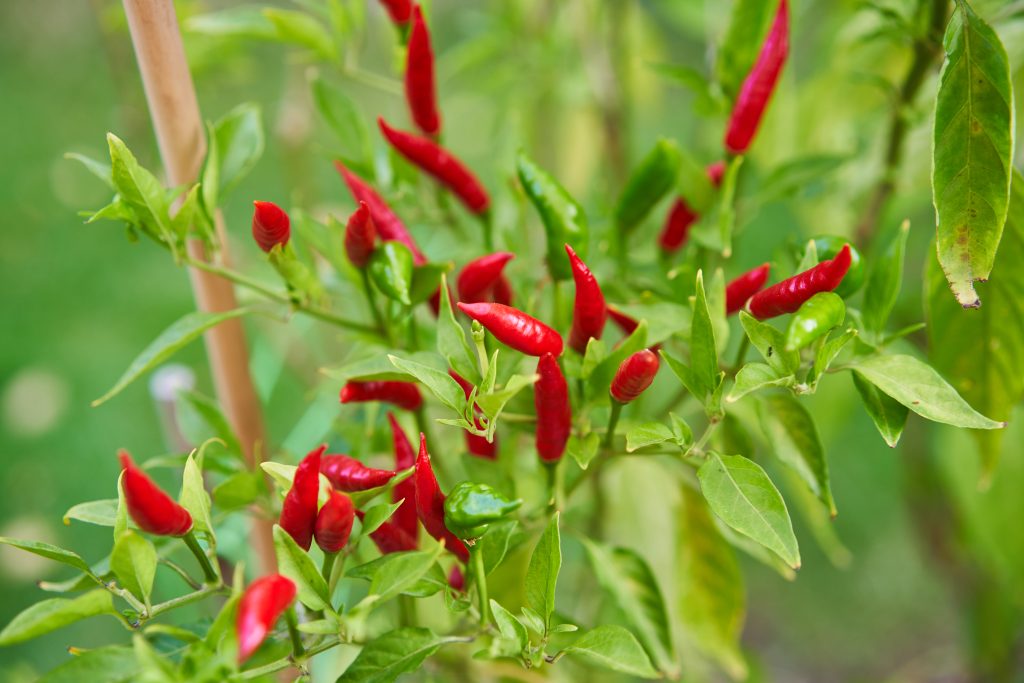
(391, 270)
(563, 217)
(303, 286)
(470, 507)
(814, 318)
(828, 246)
(650, 181)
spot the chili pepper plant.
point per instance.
(459, 514)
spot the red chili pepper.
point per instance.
(716, 172)
(152, 509)
(440, 163)
(430, 504)
(739, 291)
(759, 84)
(261, 606)
(389, 226)
(589, 312)
(480, 276)
(334, 523)
(477, 445)
(405, 395)
(298, 513)
(270, 225)
(626, 323)
(360, 235)
(554, 415)
(400, 10)
(405, 516)
(502, 292)
(681, 216)
(516, 329)
(420, 90)
(389, 537)
(787, 296)
(634, 375)
(456, 579)
(348, 474)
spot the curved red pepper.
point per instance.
(348, 474)
(480, 276)
(420, 89)
(405, 516)
(440, 163)
(589, 312)
(334, 523)
(476, 445)
(402, 394)
(270, 225)
(389, 537)
(626, 323)
(298, 513)
(360, 235)
(502, 291)
(152, 509)
(554, 415)
(456, 579)
(787, 296)
(681, 216)
(389, 226)
(516, 329)
(430, 504)
(634, 375)
(400, 10)
(739, 291)
(262, 604)
(759, 84)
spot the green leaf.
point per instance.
(240, 142)
(919, 387)
(133, 560)
(451, 338)
(140, 189)
(664, 319)
(344, 119)
(186, 329)
(377, 515)
(748, 26)
(194, 498)
(388, 656)
(496, 543)
(50, 615)
(647, 434)
(440, 384)
(542, 573)
(795, 176)
(793, 438)
(399, 571)
(510, 626)
(390, 268)
(754, 377)
(111, 664)
(493, 404)
(888, 415)
(694, 185)
(584, 450)
(98, 168)
(426, 279)
(297, 565)
(303, 30)
(396, 568)
(884, 281)
(703, 354)
(614, 648)
(238, 490)
(50, 552)
(240, 22)
(208, 412)
(827, 353)
(599, 379)
(771, 344)
(973, 146)
(743, 496)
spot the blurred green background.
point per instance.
(930, 588)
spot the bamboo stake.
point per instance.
(179, 131)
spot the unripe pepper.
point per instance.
(420, 89)
(334, 523)
(634, 375)
(360, 236)
(589, 312)
(471, 507)
(564, 219)
(405, 516)
(554, 414)
(261, 606)
(430, 504)
(681, 216)
(389, 538)
(814, 318)
(270, 225)
(477, 445)
(389, 226)
(152, 509)
(298, 512)
(433, 159)
(515, 329)
(760, 82)
(400, 10)
(648, 183)
(480, 276)
(405, 395)
(739, 291)
(348, 474)
(787, 296)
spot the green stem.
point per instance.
(480, 341)
(741, 353)
(371, 301)
(204, 561)
(180, 571)
(174, 603)
(556, 303)
(286, 662)
(293, 630)
(613, 421)
(476, 558)
(423, 425)
(487, 220)
(326, 568)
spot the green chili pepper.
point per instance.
(470, 507)
(303, 286)
(391, 270)
(650, 181)
(814, 318)
(563, 217)
(828, 246)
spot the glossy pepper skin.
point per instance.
(334, 523)
(153, 510)
(502, 291)
(389, 226)
(554, 415)
(400, 10)
(589, 311)
(827, 247)
(360, 236)
(477, 445)
(739, 291)
(270, 225)
(298, 512)
(348, 474)
(564, 220)
(760, 82)
(471, 507)
(405, 395)
(405, 516)
(433, 159)
(389, 537)
(261, 605)
(815, 318)
(420, 87)
(787, 296)
(681, 216)
(430, 504)
(634, 375)
(624, 322)
(479, 277)
(515, 329)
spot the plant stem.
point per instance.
(372, 303)
(487, 219)
(613, 421)
(185, 599)
(476, 558)
(741, 353)
(479, 340)
(204, 561)
(180, 571)
(326, 568)
(293, 630)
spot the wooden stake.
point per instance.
(180, 136)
